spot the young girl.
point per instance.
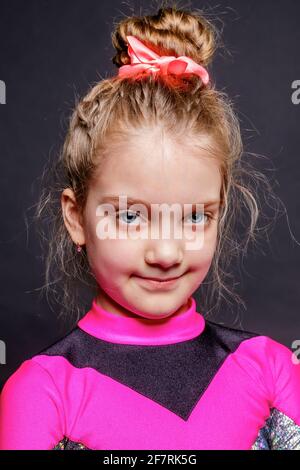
(142, 368)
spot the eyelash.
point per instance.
(209, 216)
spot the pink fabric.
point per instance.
(139, 330)
(47, 398)
(145, 60)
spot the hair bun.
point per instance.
(170, 32)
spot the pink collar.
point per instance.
(138, 330)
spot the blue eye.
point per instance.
(119, 216)
(201, 217)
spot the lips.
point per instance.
(159, 279)
(151, 284)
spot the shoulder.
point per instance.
(67, 345)
(30, 388)
(27, 376)
(272, 365)
(41, 368)
(226, 337)
(253, 344)
(268, 352)
(262, 354)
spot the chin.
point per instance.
(157, 308)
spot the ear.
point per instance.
(72, 216)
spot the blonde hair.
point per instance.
(113, 110)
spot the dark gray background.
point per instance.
(52, 50)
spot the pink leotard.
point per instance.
(127, 382)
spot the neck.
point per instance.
(120, 327)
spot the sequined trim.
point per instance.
(279, 433)
(67, 444)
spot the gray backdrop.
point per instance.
(52, 50)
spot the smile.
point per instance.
(153, 283)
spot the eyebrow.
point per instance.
(111, 198)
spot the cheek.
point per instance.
(200, 260)
(112, 258)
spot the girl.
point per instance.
(142, 368)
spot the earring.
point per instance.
(79, 248)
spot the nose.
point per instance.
(164, 253)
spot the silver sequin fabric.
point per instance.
(67, 444)
(279, 433)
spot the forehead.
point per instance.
(158, 169)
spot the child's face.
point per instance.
(158, 171)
